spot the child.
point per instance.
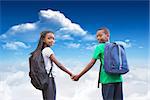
(111, 84)
(47, 39)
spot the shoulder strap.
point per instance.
(99, 73)
(50, 71)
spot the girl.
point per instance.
(47, 39)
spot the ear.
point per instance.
(107, 35)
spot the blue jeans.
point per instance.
(112, 91)
(50, 92)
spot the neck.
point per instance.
(102, 42)
(45, 45)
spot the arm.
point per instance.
(87, 68)
(52, 57)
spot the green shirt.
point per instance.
(105, 77)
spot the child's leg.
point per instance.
(50, 92)
(118, 91)
(108, 91)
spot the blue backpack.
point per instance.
(115, 61)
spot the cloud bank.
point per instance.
(17, 86)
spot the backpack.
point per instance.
(38, 74)
(115, 61)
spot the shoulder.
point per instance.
(47, 50)
(100, 46)
(98, 50)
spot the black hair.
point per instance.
(40, 45)
(106, 30)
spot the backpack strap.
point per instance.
(50, 71)
(119, 53)
(99, 73)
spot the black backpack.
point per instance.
(39, 76)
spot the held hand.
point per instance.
(72, 76)
(76, 78)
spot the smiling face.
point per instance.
(49, 39)
(102, 36)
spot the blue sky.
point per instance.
(74, 24)
(127, 21)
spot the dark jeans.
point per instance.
(112, 91)
(50, 92)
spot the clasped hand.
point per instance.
(75, 77)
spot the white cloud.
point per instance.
(127, 40)
(66, 25)
(126, 44)
(73, 45)
(141, 47)
(91, 47)
(5, 91)
(15, 45)
(3, 36)
(22, 28)
(67, 37)
(64, 37)
(90, 37)
(48, 20)
(136, 83)
(16, 85)
(19, 30)
(136, 96)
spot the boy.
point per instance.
(111, 84)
